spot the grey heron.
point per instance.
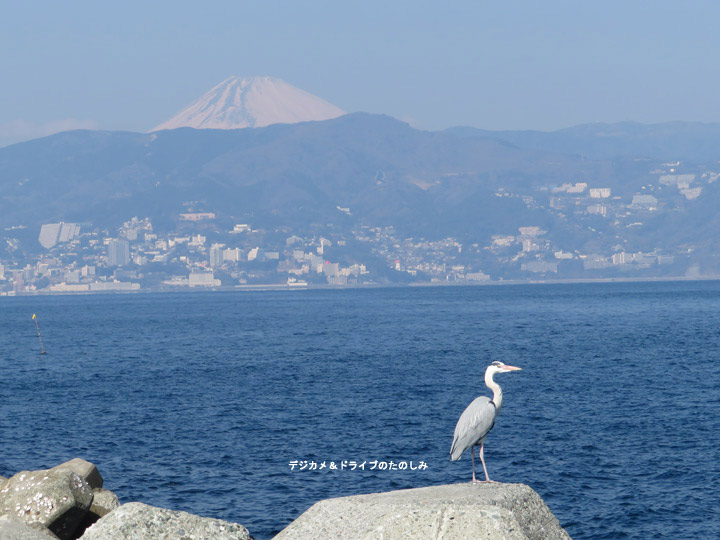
(479, 418)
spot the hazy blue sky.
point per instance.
(499, 65)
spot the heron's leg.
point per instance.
(482, 458)
(472, 456)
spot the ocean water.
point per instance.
(201, 402)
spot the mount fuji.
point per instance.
(251, 102)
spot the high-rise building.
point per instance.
(57, 233)
(49, 234)
(118, 252)
(68, 231)
(216, 254)
(232, 255)
(254, 253)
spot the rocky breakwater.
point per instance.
(451, 512)
(68, 502)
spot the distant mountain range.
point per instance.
(250, 103)
(684, 141)
(466, 183)
(384, 170)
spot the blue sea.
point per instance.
(251, 406)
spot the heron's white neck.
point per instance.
(495, 387)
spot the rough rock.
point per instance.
(104, 502)
(456, 511)
(13, 528)
(85, 469)
(137, 521)
(56, 499)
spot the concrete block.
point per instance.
(12, 528)
(55, 499)
(450, 512)
(137, 521)
(85, 469)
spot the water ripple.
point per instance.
(199, 402)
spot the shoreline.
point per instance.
(426, 284)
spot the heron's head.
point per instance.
(499, 367)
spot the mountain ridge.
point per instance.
(696, 141)
(372, 172)
(295, 174)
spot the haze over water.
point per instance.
(199, 402)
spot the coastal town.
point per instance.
(206, 251)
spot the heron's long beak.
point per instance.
(511, 368)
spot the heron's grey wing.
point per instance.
(473, 425)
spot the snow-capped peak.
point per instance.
(251, 102)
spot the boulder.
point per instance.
(137, 521)
(13, 528)
(104, 502)
(85, 469)
(56, 499)
(456, 511)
